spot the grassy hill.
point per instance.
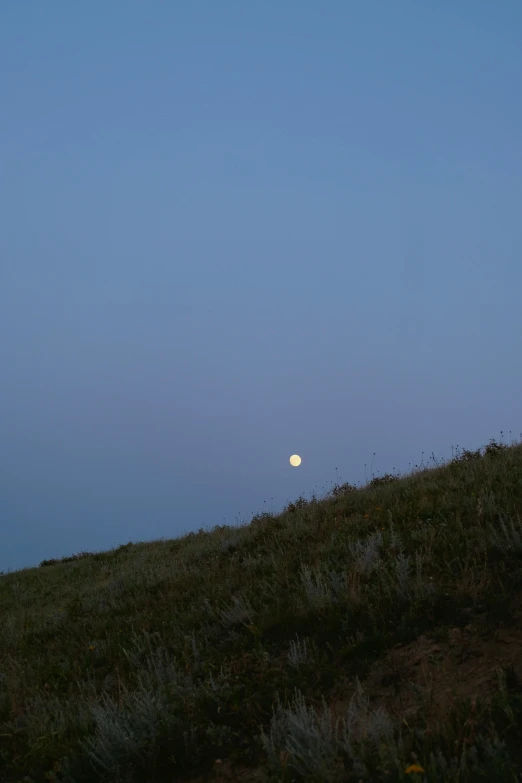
(374, 634)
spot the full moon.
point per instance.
(295, 460)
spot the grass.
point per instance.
(374, 634)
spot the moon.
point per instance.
(295, 460)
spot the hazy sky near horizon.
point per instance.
(232, 232)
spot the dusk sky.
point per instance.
(236, 231)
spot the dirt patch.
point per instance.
(441, 673)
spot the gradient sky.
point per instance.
(235, 231)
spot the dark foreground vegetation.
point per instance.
(374, 635)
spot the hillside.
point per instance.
(374, 634)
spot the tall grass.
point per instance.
(256, 648)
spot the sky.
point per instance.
(232, 232)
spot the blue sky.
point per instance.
(234, 231)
